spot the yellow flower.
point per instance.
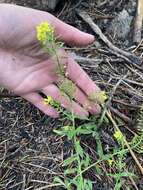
(99, 97)
(45, 32)
(118, 135)
(110, 162)
(49, 100)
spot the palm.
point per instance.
(29, 70)
(26, 60)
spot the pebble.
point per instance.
(52, 4)
(120, 25)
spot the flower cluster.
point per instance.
(49, 100)
(45, 33)
(110, 162)
(98, 97)
(118, 135)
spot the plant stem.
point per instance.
(58, 61)
(126, 143)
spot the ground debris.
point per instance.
(30, 153)
(129, 57)
(138, 22)
(120, 26)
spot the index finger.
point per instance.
(66, 32)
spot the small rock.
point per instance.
(131, 7)
(120, 26)
(52, 3)
(97, 44)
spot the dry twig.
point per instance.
(129, 57)
(138, 22)
(86, 61)
(121, 115)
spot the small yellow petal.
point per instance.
(110, 162)
(118, 135)
(48, 100)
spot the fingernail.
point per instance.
(96, 109)
(83, 113)
(91, 37)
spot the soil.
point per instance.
(30, 153)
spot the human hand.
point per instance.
(26, 70)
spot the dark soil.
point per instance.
(30, 153)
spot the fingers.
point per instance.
(68, 33)
(37, 101)
(80, 78)
(64, 100)
(31, 18)
(83, 81)
(71, 35)
(82, 99)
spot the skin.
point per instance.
(26, 70)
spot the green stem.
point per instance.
(78, 157)
(58, 61)
(80, 170)
(126, 143)
(95, 163)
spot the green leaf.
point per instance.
(98, 170)
(59, 132)
(122, 174)
(89, 126)
(118, 185)
(66, 131)
(74, 182)
(81, 131)
(99, 148)
(88, 185)
(80, 184)
(59, 180)
(86, 161)
(79, 149)
(70, 171)
(70, 160)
